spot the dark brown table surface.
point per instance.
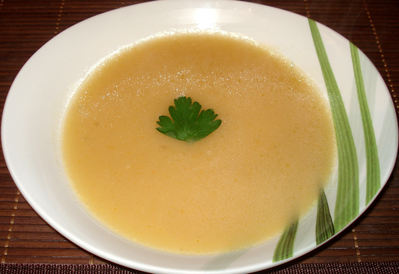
(28, 244)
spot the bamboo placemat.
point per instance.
(328, 268)
(25, 238)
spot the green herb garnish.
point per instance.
(188, 123)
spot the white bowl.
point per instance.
(40, 93)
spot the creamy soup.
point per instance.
(244, 183)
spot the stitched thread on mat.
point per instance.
(386, 69)
(59, 16)
(10, 228)
(356, 244)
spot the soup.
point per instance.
(242, 184)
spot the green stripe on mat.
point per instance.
(373, 165)
(324, 223)
(285, 246)
(347, 203)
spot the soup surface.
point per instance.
(245, 182)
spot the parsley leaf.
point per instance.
(188, 123)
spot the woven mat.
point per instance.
(25, 238)
(330, 268)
